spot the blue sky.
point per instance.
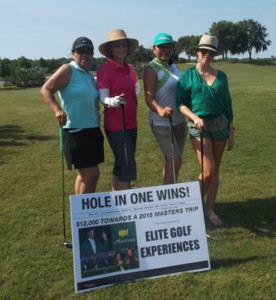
(47, 28)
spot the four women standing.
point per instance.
(201, 94)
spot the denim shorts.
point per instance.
(216, 129)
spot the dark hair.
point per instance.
(108, 50)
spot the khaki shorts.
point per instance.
(163, 137)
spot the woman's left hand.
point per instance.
(231, 140)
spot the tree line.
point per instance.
(242, 37)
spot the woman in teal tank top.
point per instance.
(78, 115)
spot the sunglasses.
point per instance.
(119, 44)
(205, 51)
(84, 50)
(165, 46)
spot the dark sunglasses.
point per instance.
(119, 44)
(205, 51)
(165, 46)
(84, 50)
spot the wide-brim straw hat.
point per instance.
(209, 42)
(116, 35)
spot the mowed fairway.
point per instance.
(35, 265)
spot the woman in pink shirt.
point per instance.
(118, 88)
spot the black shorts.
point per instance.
(83, 148)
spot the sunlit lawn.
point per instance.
(34, 263)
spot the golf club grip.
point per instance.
(123, 116)
(193, 126)
(172, 146)
(61, 138)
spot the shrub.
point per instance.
(32, 77)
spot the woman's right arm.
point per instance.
(150, 80)
(183, 98)
(198, 122)
(55, 83)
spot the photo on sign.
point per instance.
(107, 249)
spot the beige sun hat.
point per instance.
(209, 42)
(116, 35)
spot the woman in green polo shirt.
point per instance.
(160, 79)
(203, 97)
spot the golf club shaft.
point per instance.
(62, 180)
(202, 165)
(67, 245)
(172, 146)
(124, 127)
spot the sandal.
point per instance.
(214, 219)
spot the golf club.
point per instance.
(65, 243)
(202, 167)
(172, 146)
(124, 127)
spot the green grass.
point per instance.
(35, 265)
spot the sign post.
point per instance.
(138, 233)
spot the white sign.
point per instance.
(138, 233)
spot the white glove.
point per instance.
(114, 101)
